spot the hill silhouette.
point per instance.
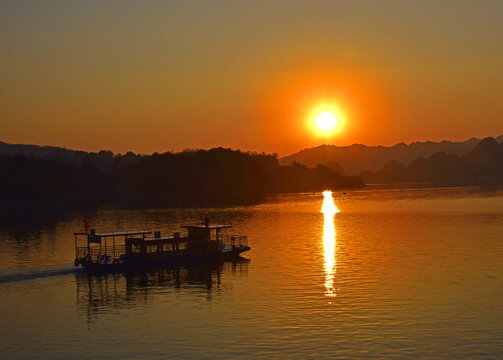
(105, 160)
(482, 165)
(215, 176)
(357, 158)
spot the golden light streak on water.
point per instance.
(329, 209)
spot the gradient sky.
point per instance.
(163, 75)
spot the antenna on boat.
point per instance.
(206, 220)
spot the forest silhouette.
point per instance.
(215, 176)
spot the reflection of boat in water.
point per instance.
(128, 250)
(97, 292)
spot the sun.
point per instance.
(326, 121)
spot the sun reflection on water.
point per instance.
(329, 209)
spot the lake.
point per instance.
(374, 273)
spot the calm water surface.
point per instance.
(377, 273)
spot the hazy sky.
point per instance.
(163, 75)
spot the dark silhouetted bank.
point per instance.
(218, 176)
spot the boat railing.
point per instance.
(100, 254)
(107, 233)
(232, 240)
(179, 235)
(225, 222)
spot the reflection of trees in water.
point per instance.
(96, 293)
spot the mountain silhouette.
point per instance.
(482, 165)
(356, 158)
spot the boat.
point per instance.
(140, 249)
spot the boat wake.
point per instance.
(35, 273)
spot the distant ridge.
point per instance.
(482, 166)
(104, 159)
(357, 158)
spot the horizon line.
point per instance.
(249, 151)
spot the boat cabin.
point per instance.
(208, 232)
(139, 247)
(104, 247)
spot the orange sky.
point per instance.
(158, 76)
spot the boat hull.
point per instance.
(165, 261)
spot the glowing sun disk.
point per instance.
(326, 121)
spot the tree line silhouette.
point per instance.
(216, 176)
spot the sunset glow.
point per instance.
(183, 74)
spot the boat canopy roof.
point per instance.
(114, 233)
(214, 226)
